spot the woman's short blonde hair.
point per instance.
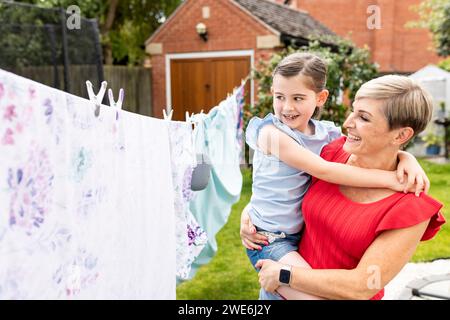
(406, 103)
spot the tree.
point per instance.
(434, 15)
(445, 64)
(124, 25)
(348, 68)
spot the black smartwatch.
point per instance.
(285, 275)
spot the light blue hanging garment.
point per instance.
(215, 136)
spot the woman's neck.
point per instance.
(386, 160)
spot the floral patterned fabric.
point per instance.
(239, 93)
(86, 202)
(190, 237)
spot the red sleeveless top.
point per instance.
(338, 231)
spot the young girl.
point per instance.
(287, 147)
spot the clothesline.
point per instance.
(94, 201)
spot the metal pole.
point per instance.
(51, 32)
(446, 138)
(98, 51)
(65, 50)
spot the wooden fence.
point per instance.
(136, 82)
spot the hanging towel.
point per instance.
(215, 135)
(86, 202)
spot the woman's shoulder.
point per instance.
(334, 150)
(409, 210)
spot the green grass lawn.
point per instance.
(439, 246)
(229, 275)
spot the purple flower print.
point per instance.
(32, 92)
(30, 188)
(89, 200)
(48, 109)
(8, 137)
(195, 235)
(188, 194)
(2, 90)
(10, 113)
(191, 235)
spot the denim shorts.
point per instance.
(275, 250)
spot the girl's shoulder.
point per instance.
(328, 128)
(256, 124)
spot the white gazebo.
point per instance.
(437, 82)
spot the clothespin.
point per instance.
(167, 116)
(188, 118)
(198, 119)
(116, 104)
(244, 81)
(96, 98)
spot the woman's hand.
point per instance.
(269, 274)
(417, 181)
(250, 238)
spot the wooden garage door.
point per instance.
(198, 84)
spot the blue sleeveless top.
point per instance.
(278, 189)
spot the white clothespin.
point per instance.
(116, 104)
(96, 98)
(244, 81)
(200, 119)
(188, 118)
(167, 116)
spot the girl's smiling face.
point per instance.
(294, 102)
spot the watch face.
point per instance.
(285, 276)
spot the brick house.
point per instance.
(192, 72)
(394, 47)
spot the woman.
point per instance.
(357, 239)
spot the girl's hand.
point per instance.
(416, 180)
(250, 238)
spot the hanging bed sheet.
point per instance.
(86, 202)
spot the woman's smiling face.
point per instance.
(367, 128)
